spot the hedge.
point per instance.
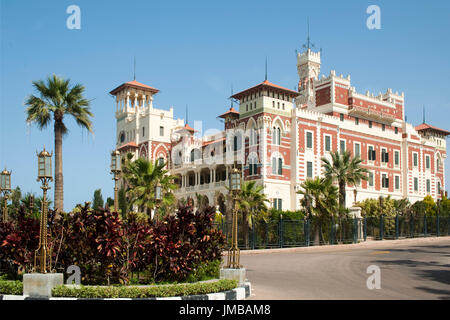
(13, 287)
(144, 292)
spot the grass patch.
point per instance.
(13, 287)
(174, 290)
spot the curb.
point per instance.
(240, 293)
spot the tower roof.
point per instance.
(265, 84)
(231, 111)
(136, 85)
(428, 127)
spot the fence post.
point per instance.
(332, 231)
(253, 234)
(396, 226)
(306, 226)
(425, 231)
(437, 225)
(365, 229)
(381, 227)
(281, 231)
(355, 230)
(411, 226)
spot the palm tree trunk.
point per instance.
(59, 188)
(342, 194)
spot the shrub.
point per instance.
(11, 287)
(144, 292)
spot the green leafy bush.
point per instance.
(205, 271)
(144, 291)
(14, 287)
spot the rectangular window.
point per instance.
(278, 204)
(370, 124)
(384, 181)
(143, 131)
(427, 162)
(428, 186)
(342, 146)
(439, 187)
(280, 166)
(383, 127)
(274, 165)
(371, 154)
(370, 179)
(161, 131)
(327, 143)
(384, 156)
(396, 130)
(416, 184)
(415, 160)
(357, 121)
(309, 140)
(341, 117)
(309, 169)
(397, 182)
(396, 158)
(357, 150)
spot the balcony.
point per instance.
(370, 114)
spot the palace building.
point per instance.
(278, 136)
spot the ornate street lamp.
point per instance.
(116, 168)
(42, 254)
(158, 198)
(5, 188)
(235, 187)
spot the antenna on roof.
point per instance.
(134, 72)
(423, 113)
(308, 44)
(265, 76)
(186, 113)
(231, 96)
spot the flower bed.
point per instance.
(174, 290)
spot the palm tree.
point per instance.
(320, 202)
(141, 177)
(251, 202)
(58, 98)
(344, 169)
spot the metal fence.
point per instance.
(310, 232)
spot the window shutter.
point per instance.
(280, 166)
(274, 165)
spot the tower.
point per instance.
(308, 68)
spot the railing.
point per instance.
(310, 232)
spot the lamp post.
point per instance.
(116, 168)
(235, 187)
(5, 188)
(44, 175)
(158, 198)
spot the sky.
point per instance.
(193, 52)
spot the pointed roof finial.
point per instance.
(186, 113)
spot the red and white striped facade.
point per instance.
(278, 137)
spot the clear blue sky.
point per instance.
(193, 51)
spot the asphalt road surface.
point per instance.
(409, 269)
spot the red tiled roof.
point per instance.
(212, 141)
(230, 111)
(266, 83)
(189, 128)
(134, 84)
(131, 144)
(426, 126)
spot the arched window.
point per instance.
(276, 136)
(253, 137)
(236, 142)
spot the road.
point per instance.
(410, 269)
